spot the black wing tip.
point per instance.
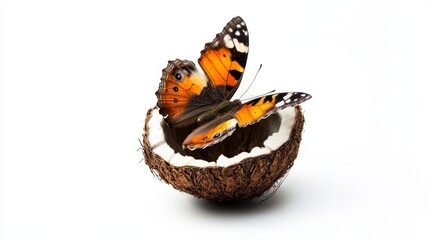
(303, 97)
(238, 19)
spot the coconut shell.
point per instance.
(247, 179)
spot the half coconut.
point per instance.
(243, 166)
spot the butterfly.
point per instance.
(187, 95)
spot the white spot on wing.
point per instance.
(280, 104)
(240, 46)
(230, 29)
(237, 33)
(287, 96)
(242, 24)
(228, 41)
(238, 26)
(245, 32)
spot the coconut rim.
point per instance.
(154, 138)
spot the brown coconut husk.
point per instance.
(245, 180)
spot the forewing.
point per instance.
(224, 59)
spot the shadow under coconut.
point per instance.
(255, 206)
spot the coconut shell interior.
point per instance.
(242, 140)
(244, 180)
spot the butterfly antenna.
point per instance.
(254, 78)
(259, 95)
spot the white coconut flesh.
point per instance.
(161, 148)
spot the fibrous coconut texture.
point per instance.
(243, 166)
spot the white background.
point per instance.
(78, 77)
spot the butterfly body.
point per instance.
(225, 107)
(187, 95)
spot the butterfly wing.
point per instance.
(182, 92)
(246, 114)
(260, 108)
(211, 133)
(223, 60)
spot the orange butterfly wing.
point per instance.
(223, 60)
(253, 111)
(185, 93)
(245, 114)
(211, 133)
(182, 99)
(181, 84)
